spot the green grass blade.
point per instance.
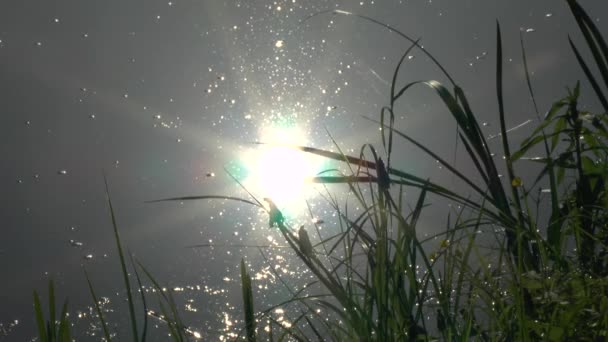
(468, 125)
(527, 73)
(479, 144)
(314, 329)
(205, 197)
(464, 264)
(408, 179)
(597, 35)
(388, 149)
(52, 330)
(104, 326)
(396, 72)
(501, 110)
(391, 29)
(478, 166)
(123, 265)
(177, 321)
(439, 159)
(174, 322)
(166, 317)
(596, 87)
(63, 333)
(593, 37)
(554, 229)
(527, 145)
(505, 144)
(143, 299)
(419, 206)
(42, 335)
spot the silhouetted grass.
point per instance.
(52, 330)
(541, 277)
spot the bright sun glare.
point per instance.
(279, 172)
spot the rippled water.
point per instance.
(168, 98)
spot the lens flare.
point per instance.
(279, 172)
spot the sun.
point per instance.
(280, 172)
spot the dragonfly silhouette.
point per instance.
(304, 242)
(276, 217)
(384, 181)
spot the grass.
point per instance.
(540, 277)
(52, 329)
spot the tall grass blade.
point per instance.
(440, 160)
(123, 265)
(143, 299)
(42, 335)
(166, 317)
(505, 143)
(593, 37)
(554, 230)
(203, 197)
(248, 303)
(314, 329)
(407, 179)
(104, 325)
(173, 320)
(52, 320)
(391, 29)
(388, 149)
(51, 330)
(63, 334)
(596, 87)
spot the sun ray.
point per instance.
(281, 173)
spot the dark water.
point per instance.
(164, 95)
